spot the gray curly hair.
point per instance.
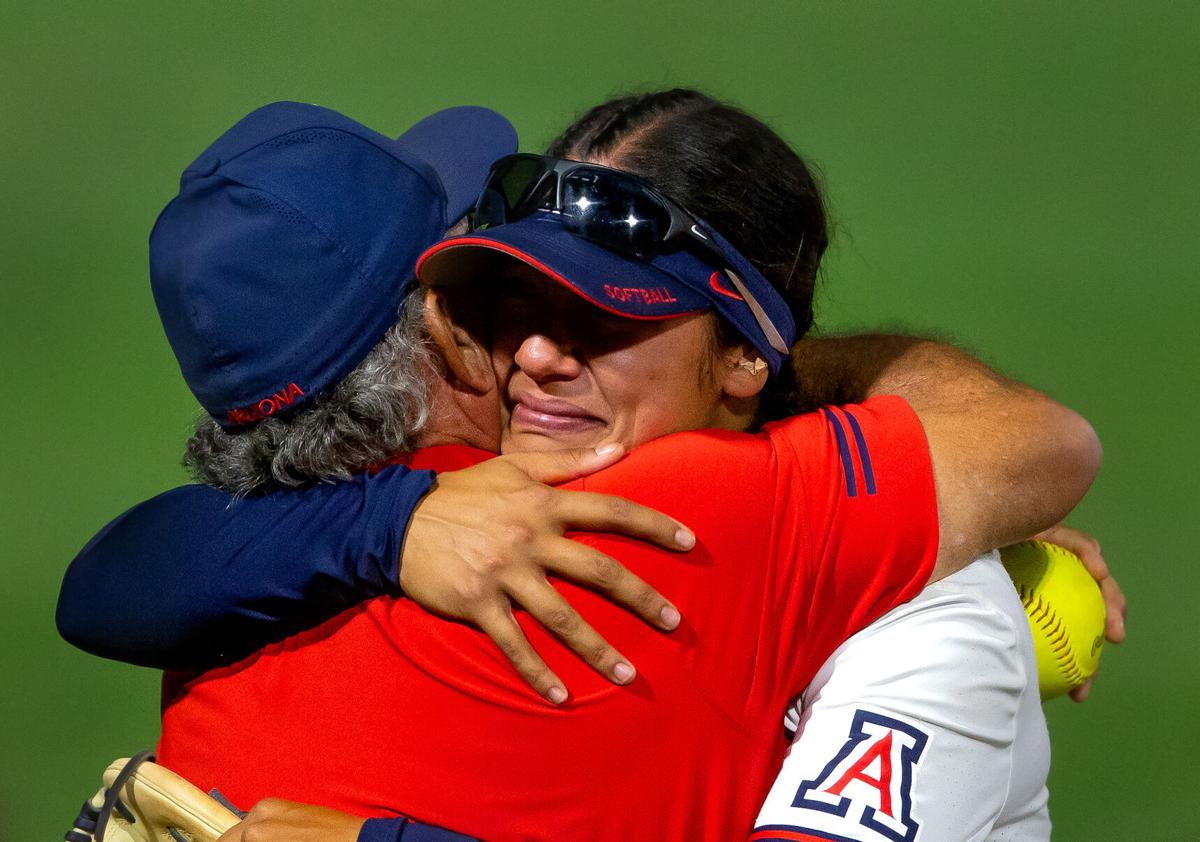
(374, 413)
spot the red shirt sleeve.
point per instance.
(856, 498)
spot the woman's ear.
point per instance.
(466, 359)
(744, 373)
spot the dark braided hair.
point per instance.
(734, 172)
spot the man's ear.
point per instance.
(466, 360)
(744, 372)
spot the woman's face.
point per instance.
(573, 375)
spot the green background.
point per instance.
(1021, 177)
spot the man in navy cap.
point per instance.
(282, 273)
(283, 265)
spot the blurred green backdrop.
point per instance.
(1021, 176)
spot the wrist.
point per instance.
(398, 513)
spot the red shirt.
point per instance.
(806, 534)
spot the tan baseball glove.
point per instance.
(144, 802)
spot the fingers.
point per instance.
(259, 816)
(591, 568)
(562, 465)
(511, 536)
(1115, 604)
(1115, 609)
(1086, 547)
(502, 628)
(590, 512)
(1081, 544)
(277, 820)
(549, 608)
(1090, 553)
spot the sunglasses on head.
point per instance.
(614, 209)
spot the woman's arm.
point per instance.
(194, 577)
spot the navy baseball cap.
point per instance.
(670, 285)
(289, 249)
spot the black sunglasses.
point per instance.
(614, 209)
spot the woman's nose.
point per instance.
(543, 358)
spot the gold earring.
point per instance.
(753, 367)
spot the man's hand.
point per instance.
(276, 820)
(1115, 604)
(486, 537)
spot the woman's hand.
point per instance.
(276, 820)
(486, 537)
(1115, 605)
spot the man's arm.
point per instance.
(1007, 460)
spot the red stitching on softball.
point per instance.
(1044, 616)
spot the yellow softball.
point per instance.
(1065, 610)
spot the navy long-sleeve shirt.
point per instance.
(194, 577)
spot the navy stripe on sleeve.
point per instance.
(844, 449)
(863, 454)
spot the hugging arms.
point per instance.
(540, 364)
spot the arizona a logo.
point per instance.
(869, 781)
